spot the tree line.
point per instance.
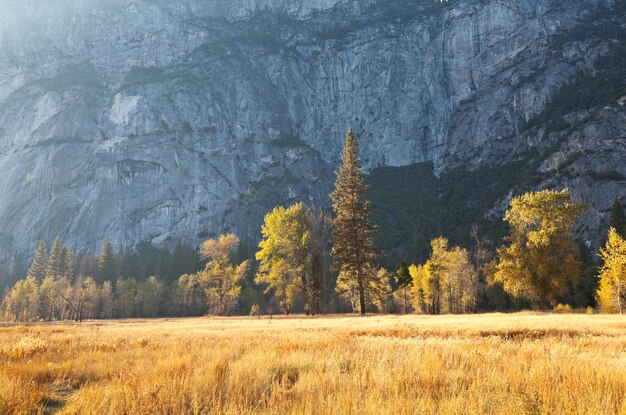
(312, 261)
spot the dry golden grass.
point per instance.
(485, 364)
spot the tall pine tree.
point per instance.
(69, 264)
(54, 267)
(37, 268)
(106, 263)
(353, 243)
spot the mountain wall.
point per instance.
(158, 120)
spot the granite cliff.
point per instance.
(158, 120)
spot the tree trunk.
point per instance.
(361, 296)
(404, 305)
(305, 292)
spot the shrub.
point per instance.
(563, 309)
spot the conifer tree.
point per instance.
(162, 265)
(184, 261)
(353, 243)
(618, 219)
(37, 268)
(69, 264)
(106, 263)
(54, 267)
(405, 283)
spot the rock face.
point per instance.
(159, 120)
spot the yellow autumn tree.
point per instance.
(220, 279)
(458, 289)
(22, 301)
(444, 283)
(284, 254)
(419, 289)
(540, 261)
(378, 289)
(611, 293)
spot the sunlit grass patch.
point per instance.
(522, 363)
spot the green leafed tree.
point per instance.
(355, 254)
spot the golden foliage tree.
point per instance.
(421, 298)
(444, 284)
(540, 262)
(22, 301)
(188, 294)
(611, 293)
(284, 254)
(221, 279)
(378, 290)
(353, 244)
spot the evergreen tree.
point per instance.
(585, 290)
(106, 263)
(618, 219)
(405, 283)
(19, 270)
(54, 267)
(353, 244)
(162, 265)
(184, 261)
(69, 264)
(87, 264)
(130, 266)
(37, 268)
(403, 276)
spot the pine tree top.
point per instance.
(38, 266)
(349, 185)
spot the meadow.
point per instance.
(524, 363)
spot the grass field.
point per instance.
(484, 364)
